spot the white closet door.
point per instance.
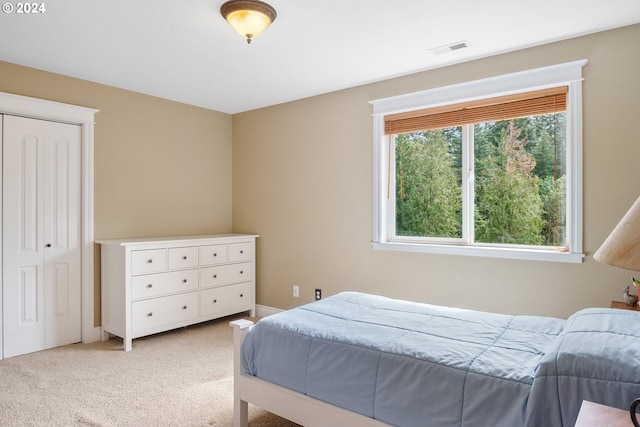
(62, 222)
(41, 242)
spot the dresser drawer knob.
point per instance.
(215, 301)
(241, 252)
(184, 257)
(241, 271)
(149, 261)
(184, 307)
(215, 254)
(149, 314)
(150, 285)
(215, 276)
(184, 280)
(241, 295)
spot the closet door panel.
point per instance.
(27, 193)
(23, 245)
(62, 234)
(28, 296)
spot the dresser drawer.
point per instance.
(213, 254)
(152, 285)
(225, 274)
(183, 257)
(157, 312)
(148, 261)
(240, 252)
(224, 298)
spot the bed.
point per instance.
(356, 359)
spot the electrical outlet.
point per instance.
(318, 294)
(296, 291)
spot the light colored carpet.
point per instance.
(178, 378)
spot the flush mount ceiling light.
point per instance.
(248, 17)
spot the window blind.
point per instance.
(506, 107)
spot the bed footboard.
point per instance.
(283, 402)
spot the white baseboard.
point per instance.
(264, 311)
(95, 335)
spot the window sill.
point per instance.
(505, 253)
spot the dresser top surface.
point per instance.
(195, 239)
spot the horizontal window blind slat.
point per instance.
(507, 107)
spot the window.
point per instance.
(490, 167)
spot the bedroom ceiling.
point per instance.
(185, 51)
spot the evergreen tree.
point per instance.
(508, 207)
(549, 151)
(428, 191)
(553, 193)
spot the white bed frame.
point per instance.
(297, 407)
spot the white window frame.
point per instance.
(569, 74)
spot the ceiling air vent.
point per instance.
(450, 47)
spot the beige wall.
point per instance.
(161, 168)
(302, 178)
(305, 185)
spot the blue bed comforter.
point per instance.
(412, 364)
(596, 357)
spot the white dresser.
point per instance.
(152, 285)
